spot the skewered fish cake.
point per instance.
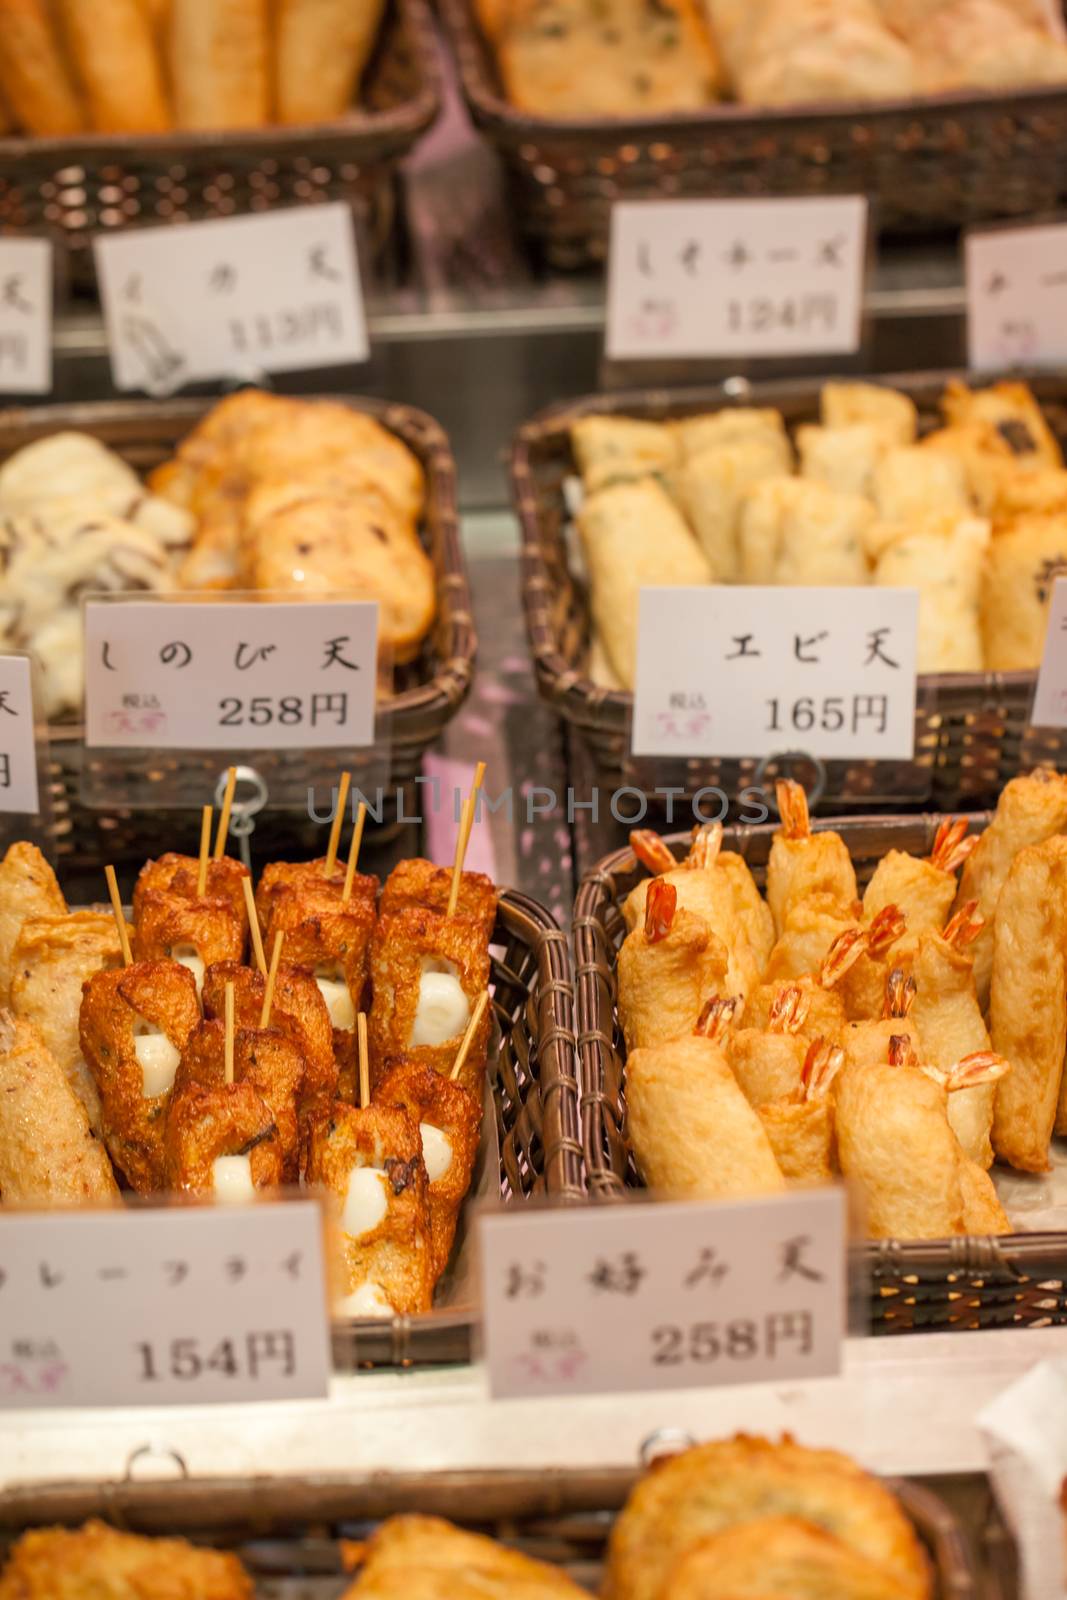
(449, 1120)
(209, 1135)
(298, 1012)
(266, 1059)
(198, 932)
(176, 875)
(48, 1156)
(427, 972)
(330, 938)
(417, 882)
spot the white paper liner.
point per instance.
(1025, 1430)
(1036, 1202)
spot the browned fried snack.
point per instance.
(862, 986)
(119, 1010)
(778, 1558)
(668, 969)
(450, 1121)
(264, 1057)
(866, 1044)
(330, 937)
(801, 1128)
(198, 932)
(28, 888)
(299, 1012)
(279, 877)
(416, 882)
(74, 1563)
(824, 1015)
(922, 887)
(177, 874)
(804, 864)
(206, 1124)
(706, 889)
(412, 942)
(811, 928)
(370, 1160)
(52, 959)
(768, 1062)
(48, 1156)
(950, 1024)
(424, 1558)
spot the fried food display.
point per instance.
(432, 1559)
(48, 1155)
(71, 1564)
(449, 1120)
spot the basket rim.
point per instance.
(594, 989)
(397, 126)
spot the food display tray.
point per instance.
(72, 189)
(1017, 1280)
(930, 163)
(427, 693)
(972, 729)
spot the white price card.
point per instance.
(163, 1307)
(707, 278)
(232, 298)
(1050, 695)
(18, 745)
(25, 316)
(1016, 297)
(676, 1295)
(200, 675)
(751, 671)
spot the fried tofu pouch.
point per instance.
(705, 1491)
(407, 945)
(198, 932)
(425, 1558)
(450, 1122)
(28, 888)
(280, 878)
(804, 864)
(331, 939)
(48, 1155)
(691, 1129)
(98, 1561)
(267, 1059)
(668, 970)
(778, 1558)
(299, 1013)
(206, 1124)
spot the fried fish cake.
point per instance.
(416, 882)
(428, 972)
(177, 874)
(450, 1122)
(824, 1014)
(668, 970)
(732, 1482)
(618, 449)
(28, 888)
(197, 933)
(299, 1012)
(778, 1558)
(264, 1057)
(228, 1121)
(331, 938)
(48, 1156)
(1012, 410)
(425, 1558)
(805, 863)
(98, 1561)
(282, 877)
(767, 1066)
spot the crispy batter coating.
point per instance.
(321, 932)
(396, 1256)
(733, 1482)
(428, 1097)
(164, 993)
(48, 1156)
(924, 892)
(281, 877)
(766, 1065)
(802, 1138)
(52, 959)
(425, 1558)
(177, 874)
(984, 1215)
(708, 893)
(416, 882)
(867, 1043)
(28, 888)
(691, 1129)
(664, 983)
(813, 866)
(825, 1015)
(403, 941)
(228, 1120)
(98, 1562)
(165, 919)
(810, 928)
(299, 1012)
(778, 1558)
(264, 1057)
(949, 1019)
(750, 908)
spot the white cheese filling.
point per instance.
(436, 1151)
(185, 955)
(366, 1201)
(443, 1010)
(232, 1178)
(334, 990)
(156, 1056)
(366, 1301)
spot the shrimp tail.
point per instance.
(651, 851)
(884, 931)
(952, 845)
(842, 956)
(789, 1010)
(792, 809)
(660, 907)
(717, 1017)
(707, 842)
(965, 926)
(821, 1065)
(900, 994)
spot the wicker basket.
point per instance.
(927, 164)
(72, 189)
(1019, 1280)
(429, 691)
(537, 1144)
(971, 732)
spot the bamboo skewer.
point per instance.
(468, 1038)
(120, 915)
(466, 823)
(272, 975)
(353, 852)
(205, 848)
(253, 926)
(229, 1033)
(338, 822)
(364, 1060)
(224, 814)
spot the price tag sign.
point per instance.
(168, 1307)
(25, 316)
(18, 746)
(200, 675)
(273, 293)
(678, 1295)
(707, 278)
(1016, 297)
(752, 671)
(1050, 695)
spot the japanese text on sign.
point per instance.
(675, 1295)
(724, 671)
(1050, 695)
(1016, 297)
(25, 316)
(18, 747)
(205, 676)
(273, 293)
(162, 1307)
(705, 278)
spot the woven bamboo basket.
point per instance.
(972, 730)
(1019, 1280)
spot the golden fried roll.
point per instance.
(711, 892)
(370, 1161)
(1012, 410)
(424, 1558)
(264, 1057)
(983, 1213)
(801, 1128)
(845, 459)
(943, 557)
(989, 465)
(28, 888)
(74, 1563)
(220, 63)
(691, 1130)
(197, 933)
(750, 908)
(949, 1019)
(812, 928)
(427, 972)
(767, 1066)
(34, 74)
(284, 877)
(177, 874)
(134, 1026)
(924, 888)
(329, 937)
(711, 489)
(1031, 808)
(862, 986)
(298, 1012)
(221, 1143)
(910, 482)
(1027, 1006)
(668, 970)
(48, 1156)
(843, 404)
(1025, 559)
(450, 1123)
(322, 47)
(619, 449)
(866, 1044)
(739, 1481)
(718, 430)
(797, 531)
(415, 882)
(114, 51)
(52, 959)
(778, 1558)
(824, 1015)
(804, 864)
